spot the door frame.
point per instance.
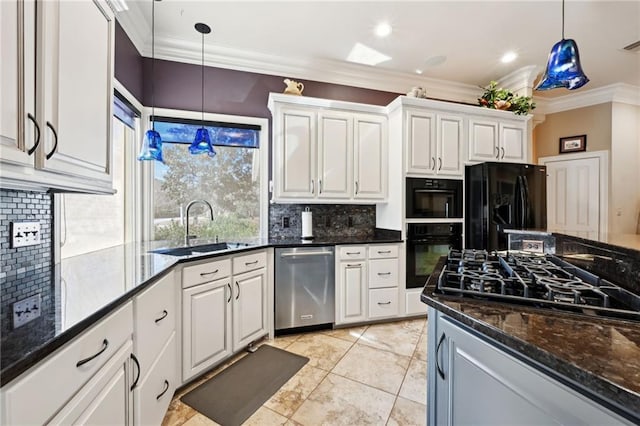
(603, 160)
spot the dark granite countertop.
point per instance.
(599, 357)
(86, 288)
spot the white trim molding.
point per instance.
(618, 92)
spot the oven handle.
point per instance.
(439, 238)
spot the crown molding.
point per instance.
(618, 92)
(521, 80)
(135, 24)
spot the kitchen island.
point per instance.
(546, 364)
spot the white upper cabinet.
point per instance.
(56, 126)
(370, 157)
(328, 151)
(434, 143)
(491, 140)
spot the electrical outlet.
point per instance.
(534, 246)
(25, 234)
(26, 310)
(285, 222)
(349, 222)
(327, 221)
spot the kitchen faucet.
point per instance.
(188, 237)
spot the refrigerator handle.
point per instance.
(526, 202)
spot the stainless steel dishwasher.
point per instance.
(304, 287)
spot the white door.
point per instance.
(512, 143)
(249, 307)
(352, 293)
(421, 142)
(483, 140)
(335, 146)
(449, 146)
(295, 153)
(573, 197)
(370, 157)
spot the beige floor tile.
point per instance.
(421, 348)
(374, 367)
(340, 401)
(350, 334)
(200, 420)
(282, 341)
(399, 337)
(265, 417)
(290, 396)
(414, 386)
(323, 351)
(416, 324)
(406, 412)
(178, 413)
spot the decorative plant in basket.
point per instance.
(503, 99)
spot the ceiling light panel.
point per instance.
(383, 29)
(362, 54)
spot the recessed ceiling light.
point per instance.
(383, 29)
(433, 61)
(418, 71)
(509, 57)
(362, 54)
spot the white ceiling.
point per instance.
(311, 39)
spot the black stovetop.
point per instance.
(544, 281)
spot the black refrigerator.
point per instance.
(501, 196)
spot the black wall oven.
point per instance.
(433, 198)
(426, 242)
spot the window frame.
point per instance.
(263, 149)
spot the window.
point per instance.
(231, 181)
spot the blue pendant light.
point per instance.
(563, 65)
(152, 143)
(202, 142)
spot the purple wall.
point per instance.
(178, 85)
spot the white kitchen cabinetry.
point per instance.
(224, 308)
(328, 151)
(434, 143)
(155, 372)
(367, 283)
(491, 140)
(59, 132)
(85, 379)
(512, 391)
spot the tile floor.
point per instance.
(369, 375)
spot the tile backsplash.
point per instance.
(25, 271)
(329, 220)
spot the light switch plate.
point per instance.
(26, 310)
(25, 234)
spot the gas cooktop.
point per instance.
(544, 281)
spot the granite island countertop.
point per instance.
(600, 357)
(86, 288)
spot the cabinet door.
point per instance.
(483, 140)
(513, 143)
(76, 73)
(16, 70)
(335, 156)
(421, 143)
(249, 307)
(449, 146)
(295, 153)
(351, 297)
(370, 157)
(206, 326)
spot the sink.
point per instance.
(200, 249)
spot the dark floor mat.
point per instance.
(232, 396)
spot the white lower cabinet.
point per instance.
(383, 302)
(472, 381)
(249, 307)
(351, 294)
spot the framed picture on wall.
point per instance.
(573, 144)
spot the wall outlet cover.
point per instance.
(534, 246)
(285, 222)
(26, 310)
(25, 234)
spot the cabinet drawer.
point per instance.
(249, 262)
(153, 395)
(382, 252)
(60, 377)
(353, 252)
(205, 272)
(383, 302)
(154, 321)
(383, 273)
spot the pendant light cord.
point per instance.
(563, 19)
(202, 80)
(153, 62)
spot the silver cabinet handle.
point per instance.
(439, 163)
(352, 252)
(497, 152)
(502, 152)
(384, 303)
(384, 273)
(356, 187)
(440, 371)
(55, 144)
(351, 265)
(384, 251)
(35, 145)
(250, 263)
(313, 186)
(163, 316)
(105, 345)
(204, 274)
